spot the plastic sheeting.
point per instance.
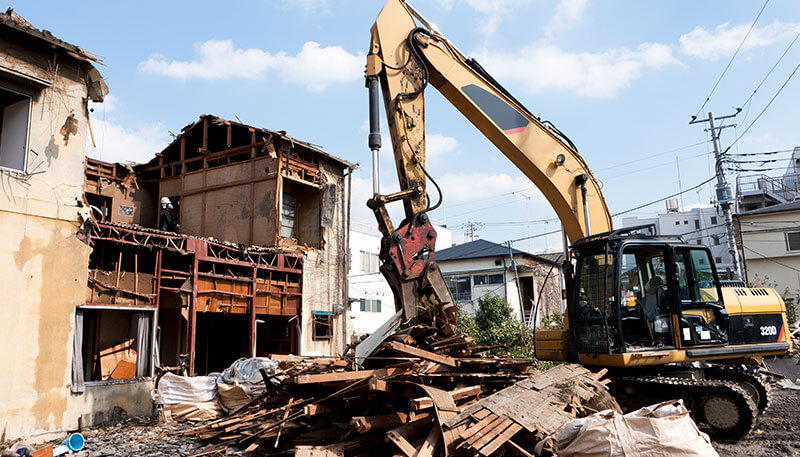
(208, 397)
(242, 381)
(174, 389)
(662, 430)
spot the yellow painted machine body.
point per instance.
(757, 328)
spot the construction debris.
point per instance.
(418, 394)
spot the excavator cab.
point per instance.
(635, 292)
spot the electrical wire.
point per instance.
(750, 154)
(651, 156)
(763, 110)
(732, 58)
(665, 198)
(750, 98)
(771, 259)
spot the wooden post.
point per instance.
(193, 316)
(119, 270)
(205, 172)
(252, 185)
(136, 277)
(253, 341)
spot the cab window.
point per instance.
(696, 280)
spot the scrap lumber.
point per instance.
(425, 355)
(416, 393)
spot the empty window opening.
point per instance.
(301, 214)
(14, 119)
(276, 335)
(116, 344)
(221, 339)
(323, 325)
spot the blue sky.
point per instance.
(620, 78)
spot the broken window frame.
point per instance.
(322, 325)
(288, 212)
(150, 352)
(26, 142)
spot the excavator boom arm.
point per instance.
(406, 55)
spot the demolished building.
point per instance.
(96, 299)
(258, 260)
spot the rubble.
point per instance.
(419, 393)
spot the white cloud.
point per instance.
(467, 186)
(493, 10)
(541, 66)
(439, 146)
(567, 13)
(306, 5)
(314, 67)
(723, 40)
(118, 143)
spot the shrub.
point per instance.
(494, 324)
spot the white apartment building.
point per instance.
(704, 226)
(371, 299)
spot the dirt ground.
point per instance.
(777, 432)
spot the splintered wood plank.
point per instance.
(445, 409)
(429, 445)
(349, 375)
(491, 434)
(500, 439)
(364, 424)
(400, 441)
(458, 394)
(313, 410)
(518, 449)
(496, 420)
(421, 353)
(470, 431)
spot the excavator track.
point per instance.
(723, 409)
(751, 382)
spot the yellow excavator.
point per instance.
(649, 308)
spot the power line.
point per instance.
(732, 58)
(750, 154)
(534, 236)
(763, 110)
(769, 73)
(651, 156)
(665, 198)
(771, 259)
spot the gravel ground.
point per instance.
(777, 432)
(140, 437)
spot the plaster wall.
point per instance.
(325, 275)
(42, 281)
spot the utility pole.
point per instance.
(724, 196)
(470, 228)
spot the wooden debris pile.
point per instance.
(417, 395)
